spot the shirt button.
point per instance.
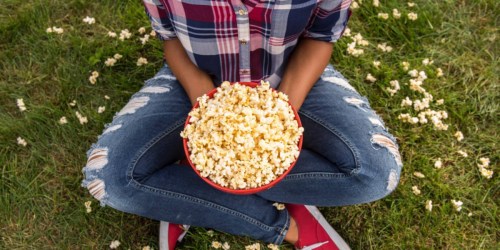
(243, 41)
(242, 12)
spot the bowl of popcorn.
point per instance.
(242, 138)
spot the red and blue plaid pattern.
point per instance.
(248, 40)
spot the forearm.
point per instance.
(305, 66)
(194, 81)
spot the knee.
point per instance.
(381, 173)
(102, 180)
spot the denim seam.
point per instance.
(283, 231)
(139, 185)
(335, 132)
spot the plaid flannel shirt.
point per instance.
(246, 40)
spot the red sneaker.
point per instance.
(314, 231)
(170, 234)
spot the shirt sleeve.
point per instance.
(160, 20)
(329, 20)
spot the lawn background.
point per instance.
(42, 203)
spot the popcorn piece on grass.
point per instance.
(255, 246)
(21, 141)
(415, 190)
(462, 153)
(459, 136)
(63, 120)
(438, 163)
(457, 205)
(428, 205)
(384, 16)
(142, 61)
(20, 104)
(396, 14)
(370, 78)
(89, 20)
(418, 175)
(216, 244)
(88, 206)
(114, 244)
(412, 16)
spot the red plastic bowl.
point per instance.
(240, 191)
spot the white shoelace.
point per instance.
(314, 246)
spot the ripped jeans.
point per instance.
(348, 157)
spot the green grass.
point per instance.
(42, 203)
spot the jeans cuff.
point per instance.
(282, 231)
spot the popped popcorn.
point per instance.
(255, 246)
(21, 141)
(384, 47)
(462, 153)
(72, 103)
(412, 16)
(114, 244)
(110, 62)
(370, 78)
(88, 206)
(142, 30)
(376, 3)
(428, 205)
(273, 247)
(216, 244)
(415, 190)
(279, 206)
(411, 4)
(117, 56)
(142, 61)
(439, 72)
(101, 109)
(93, 77)
(457, 205)
(111, 34)
(243, 137)
(418, 175)
(144, 39)
(406, 102)
(81, 118)
(125, 34)
(354, 5)
(376, 64)
(427, 61)
(395, 87)
(89, 20)
(483, 167)
(63, 120)
(226, 246)
(438, 163)
(20, 104)
(396, 14)
(54, 29)
(382, 15)
(406, 65)
(459, 136)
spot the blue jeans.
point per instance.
(348, 157)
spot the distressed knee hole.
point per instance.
(134, 104)
(96, 188)
(166, 77)
(392, 180)
(156, 89)
(112, 128)
(98, 158)
(376, 122)
(386, 142)
(354, 101)
(339, 81)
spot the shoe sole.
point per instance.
(341, 244)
